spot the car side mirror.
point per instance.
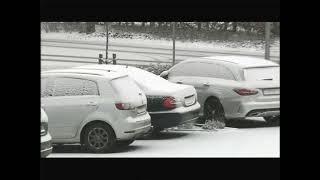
(164, 74)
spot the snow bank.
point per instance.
(228, 142)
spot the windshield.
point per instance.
(262, 73)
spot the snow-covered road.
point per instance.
(138, 54)
(56, 45)
(229, 142)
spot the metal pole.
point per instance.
(267, 38)
(174, 43)
(107, 35)
(100, 59)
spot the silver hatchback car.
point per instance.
(169, 104)
(231, 87)
(98, 109)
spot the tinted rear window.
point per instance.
(264, 73)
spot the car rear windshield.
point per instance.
(262, 73)
(125, 87)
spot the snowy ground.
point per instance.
(228, 142)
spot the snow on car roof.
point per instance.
(243, 61)
(109, 74)
(141, 76)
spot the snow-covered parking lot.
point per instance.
(245, 139)
(253, 140)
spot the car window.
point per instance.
(262, 73)
(217, 71)
(203, 70)
(75, 87)
(90, 88)
(46, 87)
(185, 69)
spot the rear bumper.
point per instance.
(255, 109)
(135, 133)
(264, 112)
(46, 148)
(172, 119)
(131, 128)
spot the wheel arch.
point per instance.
(207, 99)
(93, 122)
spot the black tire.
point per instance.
(121, 144)
(213, 109)
(99, 138)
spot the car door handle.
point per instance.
(92, 104)
(179, 82)
(206, 84)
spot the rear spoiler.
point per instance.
(260, 66)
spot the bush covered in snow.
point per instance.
(213, 124)
(156, 69)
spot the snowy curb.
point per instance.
(204, 130)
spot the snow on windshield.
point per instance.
(264, 73)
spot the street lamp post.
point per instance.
(267, 39)
(174, 43)
(107, 36)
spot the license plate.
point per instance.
(271, 91)
(189, 101)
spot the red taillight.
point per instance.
(169, 103)
(123, 106)
(245, 92)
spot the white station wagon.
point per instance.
(98, 109)
(231, 87)
(46, 146)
